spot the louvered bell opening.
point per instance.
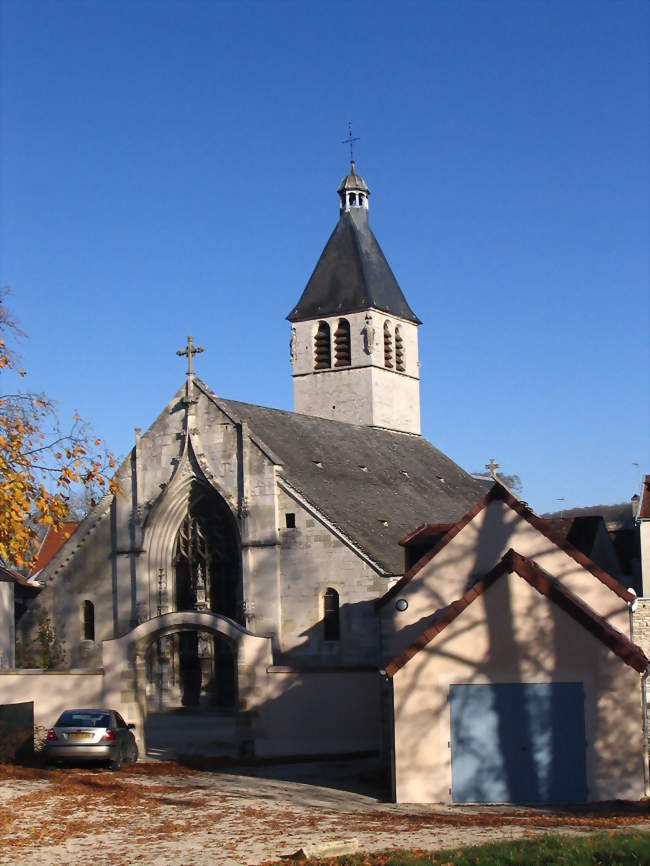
(322, 350)
(388, 347)
(399, 351)
(342, 344)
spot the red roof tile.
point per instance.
(52, 542)
(545, 584)
(424, 533)
(499, 493)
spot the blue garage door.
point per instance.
(518, 743)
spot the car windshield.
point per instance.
(83, 719)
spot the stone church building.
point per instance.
(265, 583)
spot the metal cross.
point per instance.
(190, 351)
(350, 140)
(492, 467)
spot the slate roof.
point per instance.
(351, 275)
(514, 563)
(374, 485)
(353, 181)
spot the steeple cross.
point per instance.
(350, 140)
(189, 351)
(492, 467)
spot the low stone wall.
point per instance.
(320, 712)
(52, 691)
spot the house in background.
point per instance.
(16, 594)
(51, 543)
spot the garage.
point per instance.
(517, 692)
(518, 743)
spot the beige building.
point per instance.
(513, 678)
(246, 593)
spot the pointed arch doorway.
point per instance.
(191, 674)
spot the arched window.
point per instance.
(399, 351)
(388, 346)
(206, 558)
(342, 344)
(88, 620)
(331, 624)
(322, 348)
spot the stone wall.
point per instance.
(366, 392)
(311, 560)
(642, 625)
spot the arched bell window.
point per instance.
(400, 361)
(342, 344)
(88, 614)
(331, 623)
(322, 347)
(388, 346)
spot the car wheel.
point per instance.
(116, 763)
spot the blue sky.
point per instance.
(170, 168)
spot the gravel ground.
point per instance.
(164, 813)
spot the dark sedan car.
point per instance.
(91, 735)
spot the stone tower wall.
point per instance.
(366, 392)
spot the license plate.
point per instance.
(80, 735)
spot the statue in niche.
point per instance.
(292, 346)
(200, 590)
(368, 334)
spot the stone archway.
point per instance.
(125, 669)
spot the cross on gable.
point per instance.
(189, 351)
(492, 467)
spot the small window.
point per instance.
(399, 352)
(388, 346)
(342, 344)
(290, 520)
(360, 199)
(352, 199)
(331, 625)
(322, 348)
(89, 620)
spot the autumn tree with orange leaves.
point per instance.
(40, 464)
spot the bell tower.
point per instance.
(354, 341)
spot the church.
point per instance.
(325, 582)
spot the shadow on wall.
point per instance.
(563, 702)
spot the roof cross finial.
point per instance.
(492, 467)
(190, 350)
(350, 140)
